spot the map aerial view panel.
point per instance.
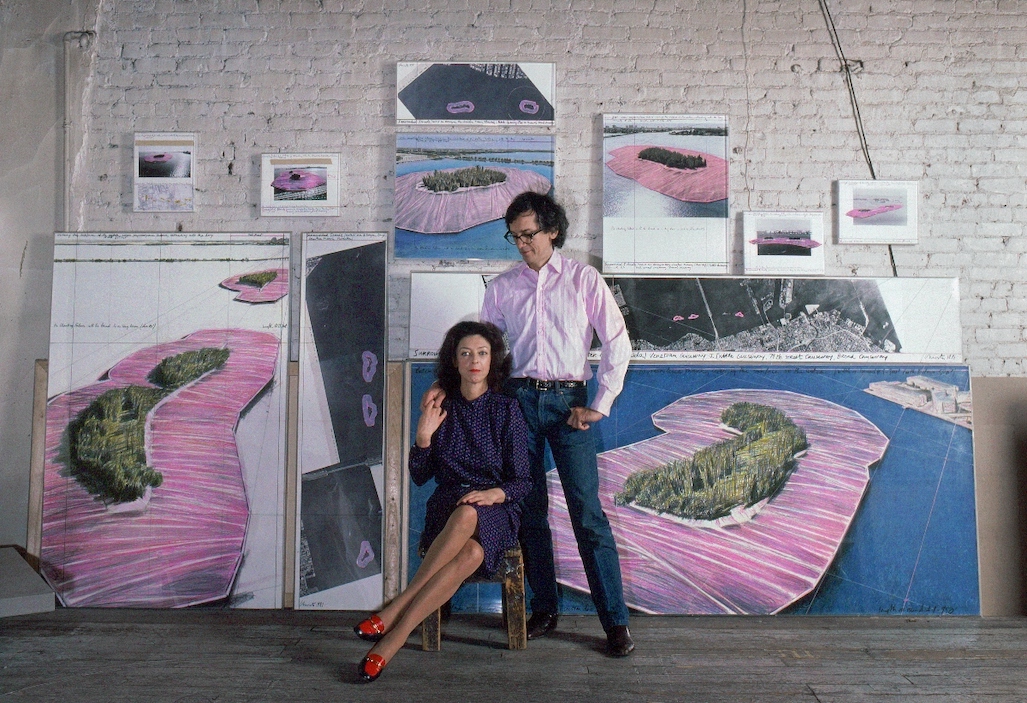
(862, 320)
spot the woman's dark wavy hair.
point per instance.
(446, 370)
(550, 214)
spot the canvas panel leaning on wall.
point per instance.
(864, 320)
(776, 489)
(166, 419)
(437, 302)
(341, 422)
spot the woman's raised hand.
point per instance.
(434, 394)
(432, 416)
(491, 496)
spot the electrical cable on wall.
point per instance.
(846, 69)
(748, 106)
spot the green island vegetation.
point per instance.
(472, 177)
(258, 279)
(739, 471)
(404, 155)
(673, 159)
(478, 154)
(106, 440)
(619, 130)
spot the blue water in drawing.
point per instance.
(484, 241)
(912, 547)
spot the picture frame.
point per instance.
(164, 172)
(299, 185)
(783, 243)
(665, 194)
(878, 212)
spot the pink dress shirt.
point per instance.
(549, 316)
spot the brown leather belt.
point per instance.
(540, 385)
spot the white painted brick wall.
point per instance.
(943, 93)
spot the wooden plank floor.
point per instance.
(226, 656)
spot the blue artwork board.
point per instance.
(912, 546)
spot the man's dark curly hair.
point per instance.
(446, 370)
(550, 214)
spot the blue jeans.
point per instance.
(546, 414)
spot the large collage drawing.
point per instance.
(341, 421)
(165, 435)
(864, 320)
(799, 487)
(873, 513)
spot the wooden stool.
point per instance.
(511, 574)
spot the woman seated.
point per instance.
(474, 444)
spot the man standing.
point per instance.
(548, 306)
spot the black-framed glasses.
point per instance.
(526, 237)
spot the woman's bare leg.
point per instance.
(439, 588)
(461, 526)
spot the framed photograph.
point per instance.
(164, 169)
(452, 191)
(784, 243)
(878, 212)
(299, 185)
(665, 194)
(475, 93)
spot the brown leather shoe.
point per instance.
(619, 642)
(541, 624)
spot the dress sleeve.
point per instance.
(421, 465)
(516, 474)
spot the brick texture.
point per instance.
(942, 90)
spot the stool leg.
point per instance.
(431, 632)
(514, 610)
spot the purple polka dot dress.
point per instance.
(481, 444)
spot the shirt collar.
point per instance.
(555, 261)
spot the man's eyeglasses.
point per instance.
(526, 237)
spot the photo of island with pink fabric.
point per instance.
(665, 193)
(452, 191)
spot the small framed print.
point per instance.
(878, 212)
(299, 185)
(164, 179)
(784, 243)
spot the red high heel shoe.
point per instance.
(371, 667)
(372, 629)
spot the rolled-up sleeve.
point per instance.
(490, 311)
(606, 319)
